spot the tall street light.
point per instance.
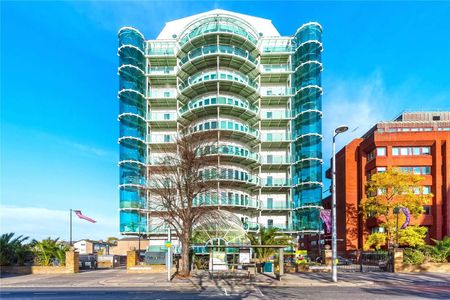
(338, 130)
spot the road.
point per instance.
(328, 292)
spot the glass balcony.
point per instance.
(275, 182)
(132, 153)
(160, 139)
(230, 150)
(275, 137)
(161, 94)
(223, 125)
(221, 75)
(212, 101)
(276, 206)
(162, 71)
(274, 92)
(131, 36)
(157, 48)
(275, 160)
(217, 25)
(162, 116)
(275, 68)
(231, 175)
(218, 49)
(308, 154)
(246, 202)
(275, 115)
(131, 55)
(308, 32)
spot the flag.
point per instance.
(325, 215)
(81, 216)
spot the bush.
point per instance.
(413, 257)
(12, 249)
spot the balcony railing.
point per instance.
(162, 71)
(276, 206)
(274, 92)
(215, 49)
(211, 101)
(160, 138)
(220, 75)
(278, 68)
(162, 116)
(275, 137)
(275, 182)
(160, 94)
(275, 115)
(275, 160)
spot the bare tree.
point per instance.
(176, 185)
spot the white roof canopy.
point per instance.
(175, 28)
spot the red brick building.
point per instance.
(416, 142)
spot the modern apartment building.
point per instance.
(417, 142)
(256, 93)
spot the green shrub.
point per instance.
(413, 257)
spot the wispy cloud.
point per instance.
(39, 223)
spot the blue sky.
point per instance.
(59, 84)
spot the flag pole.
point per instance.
(71, 227)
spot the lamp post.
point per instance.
(337, 131)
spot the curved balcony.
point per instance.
(276, 139)
(308, 51)
(132, 223)
(230, 30)
(132, 102)
(309, 139)
(233, 154)
(131, 78)
(131, 55)
(229, 56)
(131, 36)
(230, 81)
(229, 105)
(231, 177)
(228, 129)
(276, 184)
(132, 197)
(309, 123)
(275, 162)
(309, 158)
(227, 199)
(308, 68)
(307, 196)
(307, 32)
(132, 153)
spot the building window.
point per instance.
(417, 170)
(404, 151)
(377, 230)
(381, 151)
(381, 169)
(426, 210)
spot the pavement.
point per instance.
(117, 284)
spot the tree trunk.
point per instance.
(185, 251)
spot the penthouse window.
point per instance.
(404, 151)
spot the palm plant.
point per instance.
(268, 236)
(12, 249)
(49, 250)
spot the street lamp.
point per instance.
(338, 130)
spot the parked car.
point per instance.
(88, 262)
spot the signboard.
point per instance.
(168, 244)
(244, 256)
(155, 258)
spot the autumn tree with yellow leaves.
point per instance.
(387, 193)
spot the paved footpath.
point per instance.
(117, 284)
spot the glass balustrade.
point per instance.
(275, 159)
(275, 137)
(275, 68)
(217, 25)
(131, 36)
(229, 174)
(226, 199)
(210, 101)
(276, 205)
(162, 116)
(274, 182)
(229, 150)
(222, 125)
(160, 138)
(220, 75)
(217, 49)
(161, 94)
(308, 154)
(273, 92)
(275, 115)
(162, 70)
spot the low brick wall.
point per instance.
(148, 269)
(35, 270)
(426, 267)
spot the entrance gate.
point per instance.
(366, 262)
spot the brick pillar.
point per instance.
(132, 258)
(72, 261)
(397, 257)
(327, 257)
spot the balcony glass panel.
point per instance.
(223, 75)
(217, 49)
